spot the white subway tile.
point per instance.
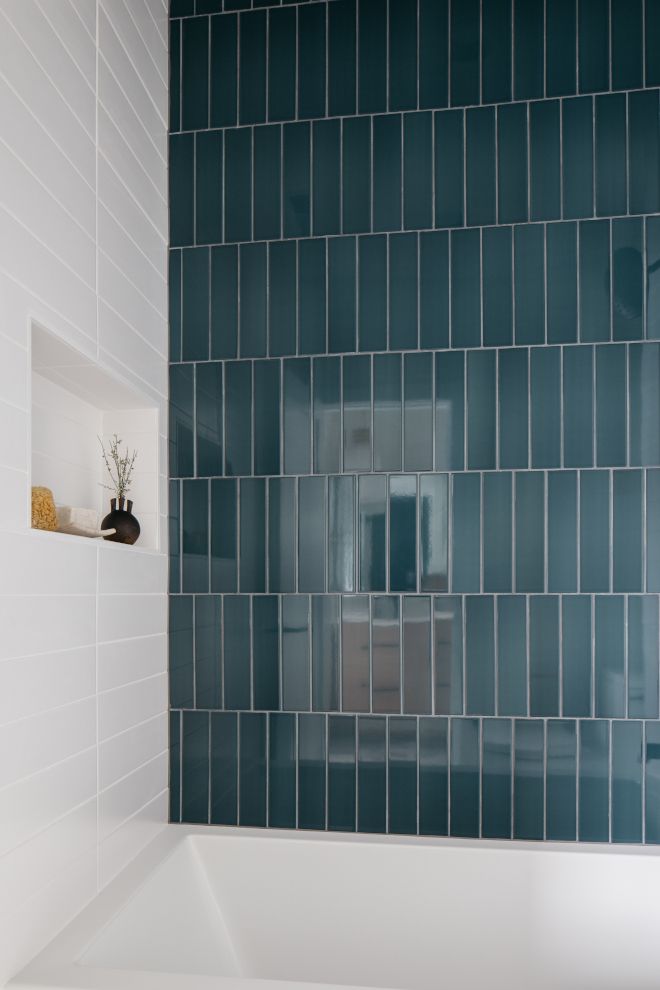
(127, 706)
(31, 685)
(128, 660)
(33, 744)
(120, 755)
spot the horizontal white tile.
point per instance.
(75, 37)
(130, 215)
(126, 616)
(37, 566)
(121, 801)
(117, 851)
(144, 46)
(123, 296)
(86, 11)
(14, 372)
(120, 755)
(14, 423)
(45, 623)
(128, 660)
(36, 743)
(122, 347)
(128, 706)
(30, 685)
(129, 571)
(139, 271)
(14, 498)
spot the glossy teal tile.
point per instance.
(195, 306)
(497, 537)
(174, 304)
(529, 531)
(417, 168)
(512, 203)
(449, 131)
(611, 415)
(181, 189)
(642, 644)
(434, 532)
(576, 656)
(652, 277)
(545, 397)
(282, 63)
(561, 277)
(450, 411)
(594, 531)
(481, 409)
(644, 402)
(386, 653)
(644, 152)
(480, 193)
(327, 435)
(497, 260)
(417, 412)
(224, 302)
(181, 652)
(544, 655)
(627, 31)
(253, 769)
(387, 422)
(560, 788)
(326, 176)
(372, 56)
(577, 158)
(341, 773)
(433, 776)
(372, 292)
(341, 533)
(433, 53)
(265, 652)
(208, 187)
(496, 53)
(402, 56)
(653, 530)
(195, 767)
(511, 655)
(252, 514)
(562, 531)
(403, 533)
(296, 653)
(181, 8)
(372, 774)
(281, 534)
(223, 86)
(464, 53)
(267, 190)
(434, 289)
(402, 776)
(296, 180)
(174, 534)
(266, 426)
(194, 73)
(593, 46)
(355, 654)
(544, 160)
(175, 76)
(417, 674)
(609, 657)
(594, 280)
(466, 516)
(627, 536)
(403, 292)
(238, 417)
(342, 329)
(611, 178)
(627, 279)
(252, 60)
(223, 535)
(312, 292)
(627, 797)
(386, 171)
(560, 41)
(238, 184)
(209, 418)
(529, 283)
(181, 412)
(311, 534)
(356, 172)
(513, 377)
(372, 496)
(496, 779)
(281, 770)
(195, 536)
(464, 776)
(282, 277)
(311, 771)
(356, 413)
(174, 739)
(593, 790)
(480, 655)
(651, 783)
(528, 32)
(342, 60)
(253, 279)
(448, 655)
(577, 384)
(528, 782)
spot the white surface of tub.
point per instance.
(233, 909)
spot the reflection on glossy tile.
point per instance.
(480, 655)
(386, 654)
(653, 530)
(208, 670)
(403, 533)
(402, 776)
(576, 655)
(496, 779)
(181, 448)
(181, 652)
(327, 415)
(528, 779)
(355, 654)
(236, 651)
(224, 766)
(238, 417)
(372, 497)
(281, 770)
(252, 770)
(372, 774)
(266, 426)
(450, 411)
(311, 771)
(644, 151)
(465, 523)
(265, 653)
(643, 643)
(652, 782)
(341, 773)
(448, 655)
(560, 807)
(357, 413)
(433, 535)
(433, 776)
(252, 512)
(626, 781)
(511, 655)
(594, 280)
(195, 536)
(387, 412)
(341, 533)
(417, 412)
(497, 537)
(297, 416)
(417, 686)
(610, 657)
(326, 633)
(593, 810)
(481, 409)
(296, 686)
(223, 535)
(644, 403)
(311, 534)
(195, 768)
(464, 778)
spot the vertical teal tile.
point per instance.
(195, 768)
(512, 163)
(544, 160)
(433, 53)
(208, 419)
(593, 809)
(224, 64)
(266, 425)
(181, 410)
(433, 776)
(238, 185)
(266, 652)
(577, 383)
(545, 389)
(281, 770)
(403, 292)
(480, 165)
(653, 530)
(387, 412)
(464, 53)
(311, 771)
(326, 632)
(511, 655)
(434, 531)
(326, 172)
(417, 170)
(296, 685)
(252, 535)
(594, 280)
(208, 187)
(528, 32)
(311, 61)
(465, 278)
(175, 76)
(417, 675)
(497, 252)
(609, 656)
(593, 46)
(529, 533)
(643, 640)
(282, 277)
(252, 67)
(644, 151)
(386, 653)
(224, 302)
(496, 53)
(281, 534)
(311, 534)
(611, 418)
(594, 531)
(195, 73)
(341, 294)
(341, 533)
(195, 304)
(577, 157)
(238, 417)
(562, 531)
(450, 411)
(341, 773)
(312, 297)
(356, 172)
(372, 292)
(652, 783)
(651, 28)
(174, 533)
(529, 283)
(576, 656)
(386, 171)
(449, 168)
(644, 403)
(561, 276)
(357, 412)
(181, 189)
(372, 56)
(253, 260)
(496, 779)
(296, 180)
(402, 64)
(181, 652)
(174, 303)
(223, 535)
(611, 184)
(464, 778)
(627, 797)
(402, 776)
(513, 380)
(544, 655)
(224, 768)
(627, 279)
(466, 532)
(342, 59)
(403, 533)
(327, 433)
(480, 655)
(448, 654)
(195, 536)
(355, 654)
(627, 47)
(434, 289)
(252, 769)
(282, 63)
(528, 796)
(497, 538)
(417, 412)
(652, 277)
(267, 156)
(372, 774)
(372, 496)
(481, 409)
(560, 41)
(561, 770)
(627, 531)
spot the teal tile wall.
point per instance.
(415, 416)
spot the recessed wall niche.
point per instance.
(74, 402)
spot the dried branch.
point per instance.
(121, 468)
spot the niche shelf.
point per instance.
(74, 401)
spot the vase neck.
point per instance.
(124, 504)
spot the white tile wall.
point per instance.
(83, 688)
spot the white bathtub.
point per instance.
(243, 909)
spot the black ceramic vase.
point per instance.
(121, 519)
